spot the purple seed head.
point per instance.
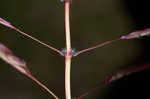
(5, 23)
(137, 34)
(7, 55)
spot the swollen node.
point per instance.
(63, 1)
(64, 52)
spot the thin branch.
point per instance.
(96, 46)
(40, 42)
(132, 35)
(43, 86)
(116, 76)
(7, 24)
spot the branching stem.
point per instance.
(96, 46)
(37, 40)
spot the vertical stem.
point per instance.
(67, 25)
(68, 55)
(67, 77)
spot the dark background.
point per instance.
(136, 85)
(92, 22)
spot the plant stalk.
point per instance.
(68, 54)
(67, 77)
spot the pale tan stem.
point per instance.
(67, 77)
(68, 55)
(67, 26)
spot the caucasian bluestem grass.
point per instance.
(68, 53)
(20, 65)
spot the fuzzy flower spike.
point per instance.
(7, 55)
(137, 34)
(14, 61)
(5, 23)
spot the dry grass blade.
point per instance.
(7, 55)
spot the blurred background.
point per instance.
(92, 22)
